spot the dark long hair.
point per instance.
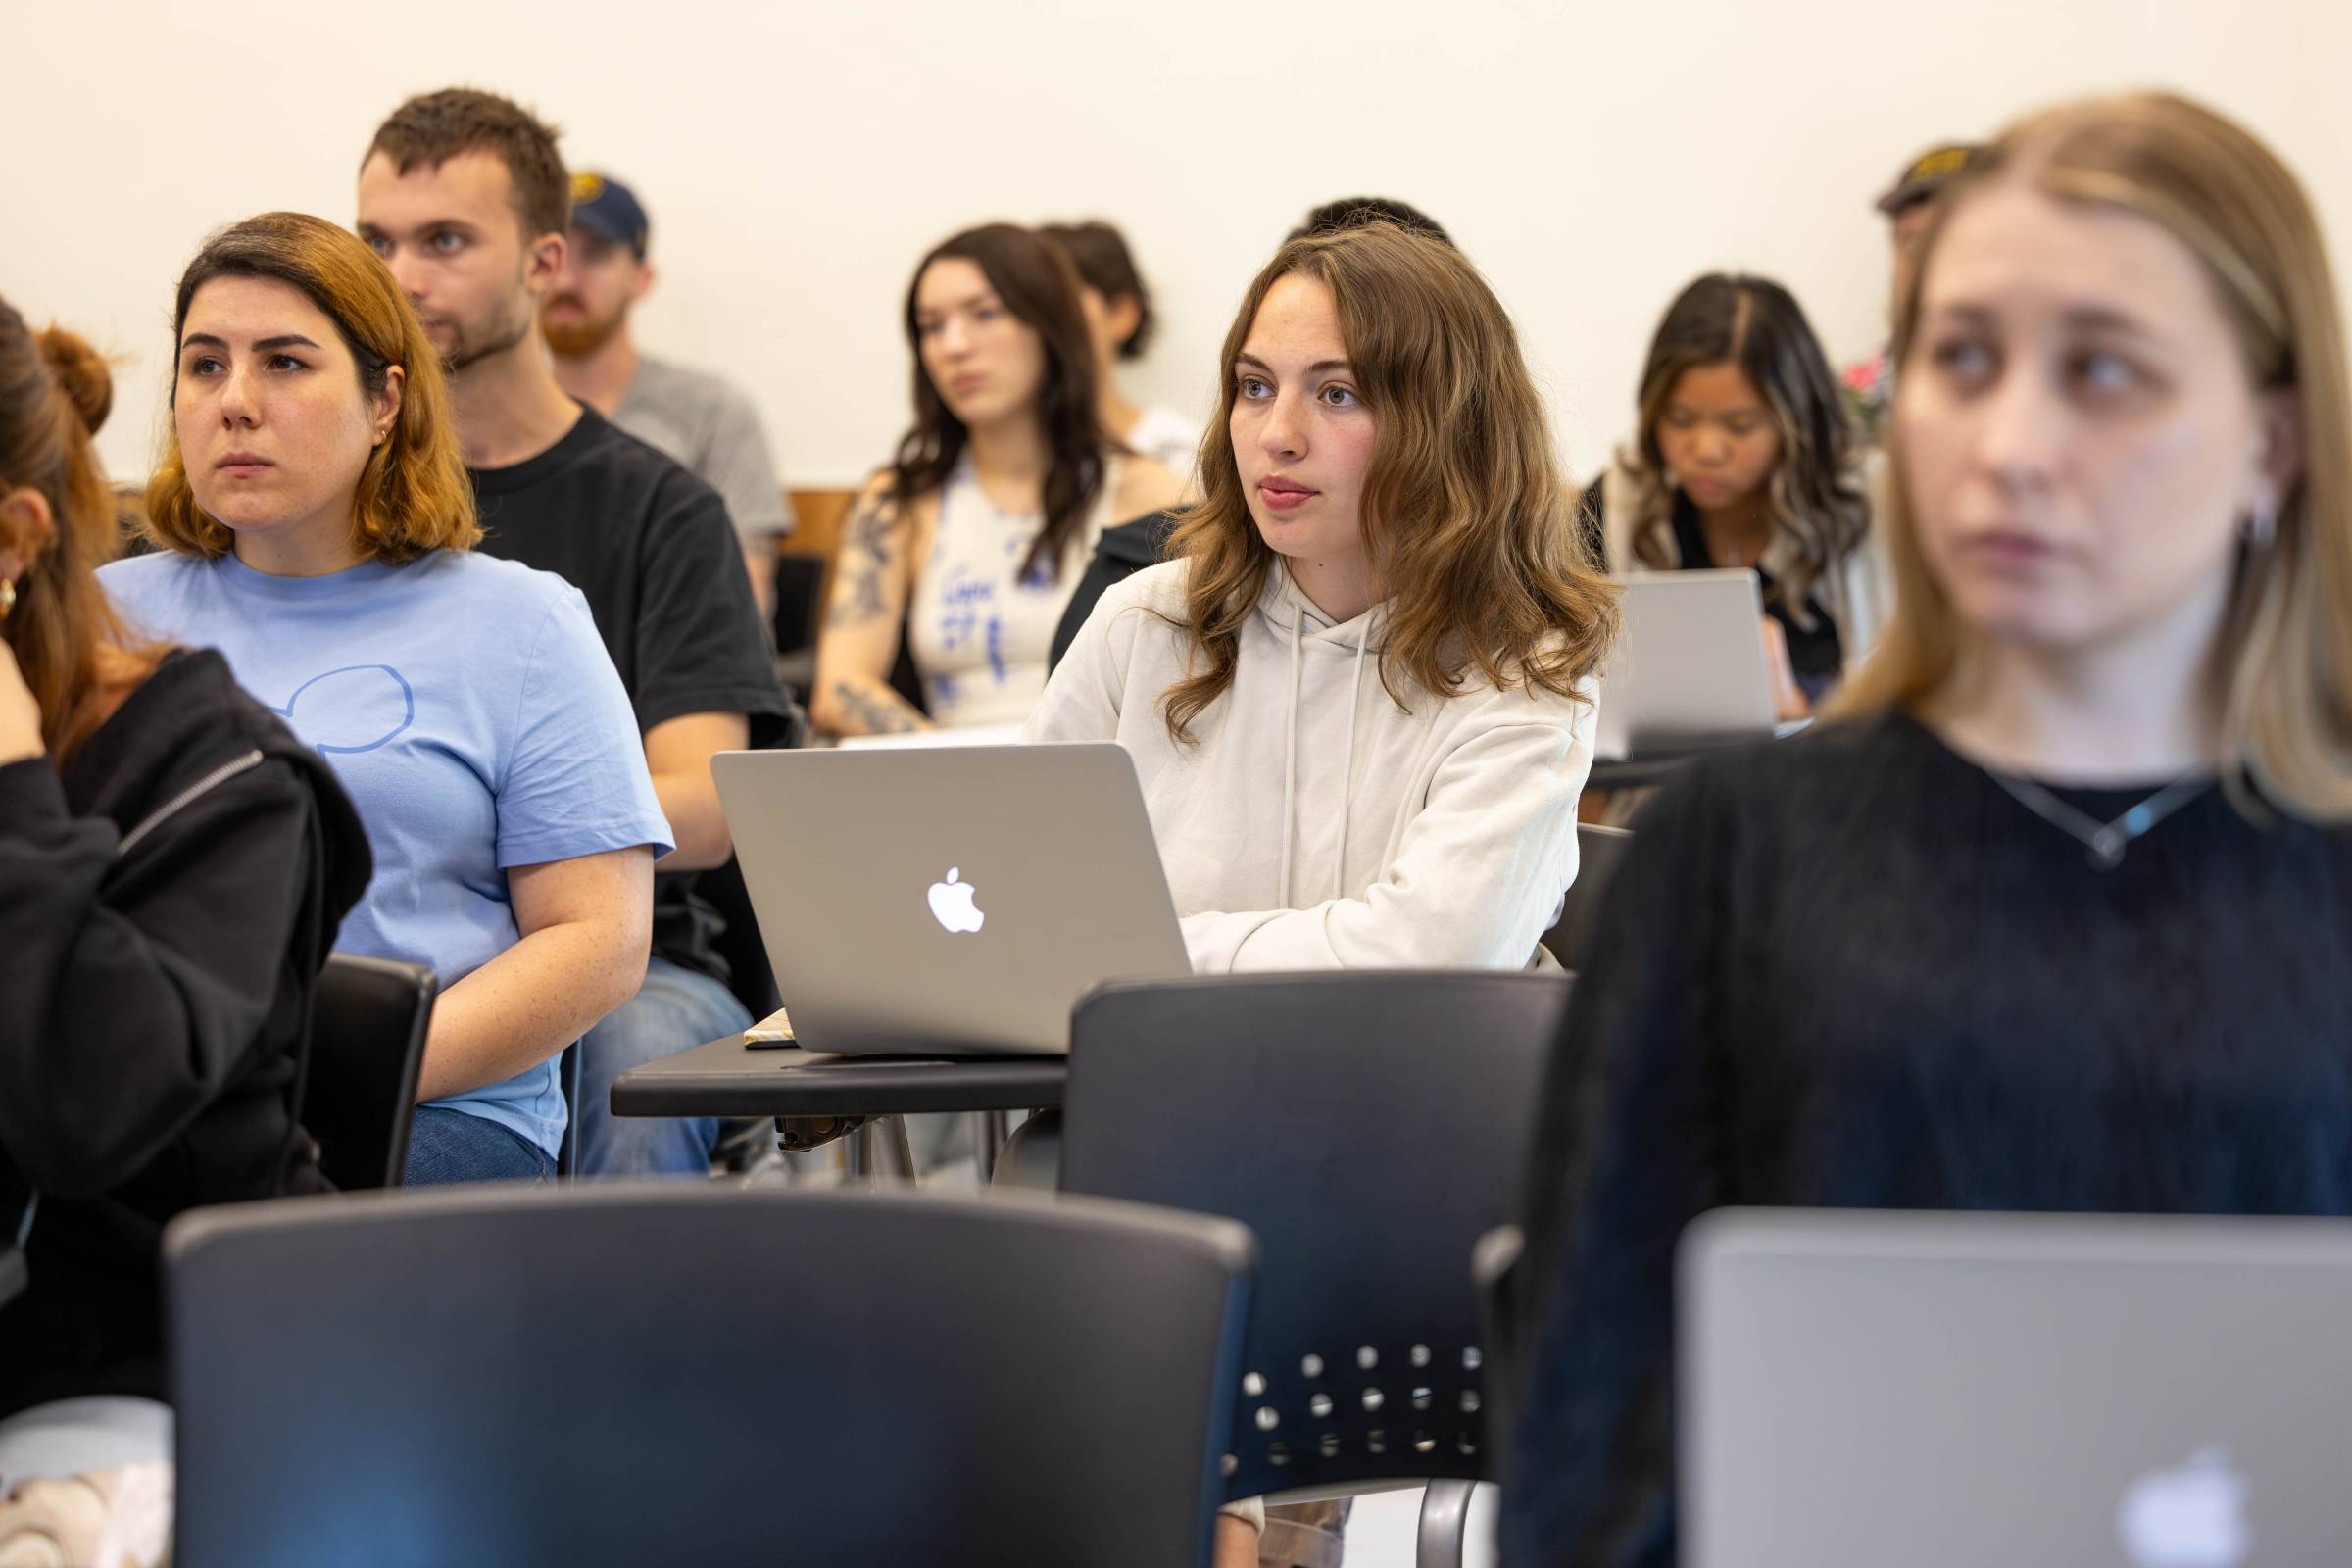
(1107, 266)
(1815, 497)
(1039, 285)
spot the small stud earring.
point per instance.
(2263, 527)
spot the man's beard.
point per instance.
(505, 330)
(573, 340)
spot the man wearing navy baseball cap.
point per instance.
(1909, 205)
(702, 422)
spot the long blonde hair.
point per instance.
(1471, 529)
(2286, 659)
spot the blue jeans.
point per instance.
(675, 1010)
(451, 1146)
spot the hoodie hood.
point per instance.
(1282, 601)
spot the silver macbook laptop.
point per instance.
(950, 900)
(1690, 665)
(1955, 1390)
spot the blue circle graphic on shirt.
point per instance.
(360, 707)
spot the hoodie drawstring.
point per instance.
(1356, 694)
(1290, 752)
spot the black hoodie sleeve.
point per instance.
(1119, 555)
(137, 985)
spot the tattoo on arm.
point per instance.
(883, 716)
(864, 559)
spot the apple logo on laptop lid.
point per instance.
(2190, 1516)
(952, 903)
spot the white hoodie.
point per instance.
(1316, 825)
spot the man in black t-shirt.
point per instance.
(466, 197)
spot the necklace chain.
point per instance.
(2105, 841)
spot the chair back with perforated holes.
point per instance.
(1369, 1127)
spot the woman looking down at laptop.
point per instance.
(2077, 937)
(963, 550)
(1359, 701)
(319, 521)
(1743, 458)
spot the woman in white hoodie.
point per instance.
(1360, 698)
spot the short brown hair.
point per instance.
(1470, 528)
(431, 128)
(415, 493)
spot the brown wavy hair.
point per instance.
(1038, 285)
(414, 495)
(54, 393)
(1815, 493)
(1472, 531)
(2286, 650)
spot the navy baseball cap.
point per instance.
(1922, 179)
(610, 210)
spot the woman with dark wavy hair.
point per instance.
(962, 551)
(1359, 701)
(1744, 456)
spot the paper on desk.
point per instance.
(777, 1025)
(969, 735)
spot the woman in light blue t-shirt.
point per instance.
(317, 519)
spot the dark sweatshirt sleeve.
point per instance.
(1627, 1153)
(137, 985)
(1101, 572)
(1121, 553)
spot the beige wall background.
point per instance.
(798, 157)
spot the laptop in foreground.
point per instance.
(1953, 1391)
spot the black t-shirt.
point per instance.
(1851, 970)
(652, 549)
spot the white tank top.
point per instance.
(981, 634)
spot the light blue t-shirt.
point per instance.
(471, 713)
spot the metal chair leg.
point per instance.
(988, 1141)
(897, 1156)
(1445, 1525)
(878, 1153)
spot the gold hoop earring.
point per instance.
(8, 597)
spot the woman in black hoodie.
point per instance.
(173, 865)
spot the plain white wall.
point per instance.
(797, 158)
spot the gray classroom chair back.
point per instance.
(1369, 1127)
(367, 1024)
(656, 1373)
(1598, 851)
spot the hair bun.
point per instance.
(81, 374)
